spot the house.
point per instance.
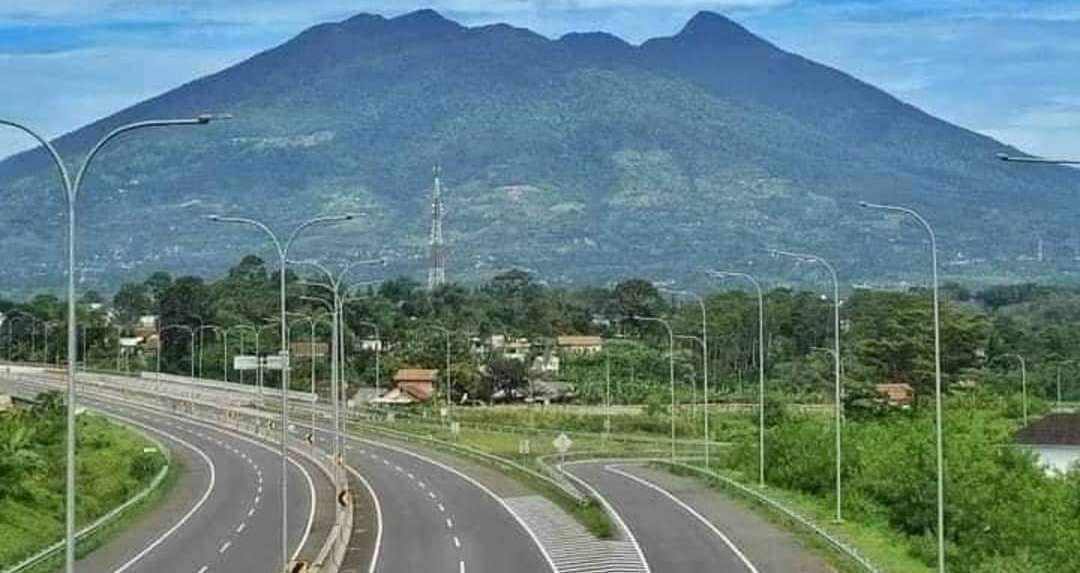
(896, 394)
(1055, 438)
(516, 348)
(580, 344)
(546, 364)
(371, 345)
(410, 386)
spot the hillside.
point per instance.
(583, 158)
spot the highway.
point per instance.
(437, 519)
(683, 527)
(223, 514)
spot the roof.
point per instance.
(1052, 430)
(416, 375)
(581, 341)
(395, 396)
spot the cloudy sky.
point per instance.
(1007, 68)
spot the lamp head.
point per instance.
(206, 118)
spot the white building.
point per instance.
(1055, 438)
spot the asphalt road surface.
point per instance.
(224, 512)
(436, 519)
(683, 527)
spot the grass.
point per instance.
(32, 518)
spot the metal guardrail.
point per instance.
(52, 550)
(848, 551)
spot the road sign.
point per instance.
(444, 412)
(455, 428)
(524, 447)
(275, 362)
(562, 443)
(310, 438)
(245, 363)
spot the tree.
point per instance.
(637, 297)
(505, 375)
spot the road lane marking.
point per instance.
(203, 569)
(225, 547)
(457, 542)
(611, 511)
(449, 523)
(187, 516)
(686, 507)
(241, 527)
(378, 515)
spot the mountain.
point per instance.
(583, 158)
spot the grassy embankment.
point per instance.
(114, 465)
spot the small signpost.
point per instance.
(524, 447)
(245, 363)
(562, 444)
(444, 412)
(455, 428)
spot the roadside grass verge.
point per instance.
(115, 464)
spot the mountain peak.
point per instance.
(716, 28)
(425, 19)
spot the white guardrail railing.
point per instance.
(259, 424)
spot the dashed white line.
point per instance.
(449, 523)
(241, 527)
(225, 547)
(457, 542)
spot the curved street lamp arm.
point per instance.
(55, 155)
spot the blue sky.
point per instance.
(1007, 68)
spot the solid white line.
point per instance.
(611, 511)
(225, 431)
(532, 534)
(378, 516)
(187, 516)
(686, 507)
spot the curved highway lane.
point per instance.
(683, 527)
(224, 514)
(437, 519)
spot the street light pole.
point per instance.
(704, 361)
(191, 338)
(671, 370)
(446, 331)
(761, 367)
(283, 257)
(940, 448)
(836, 363)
